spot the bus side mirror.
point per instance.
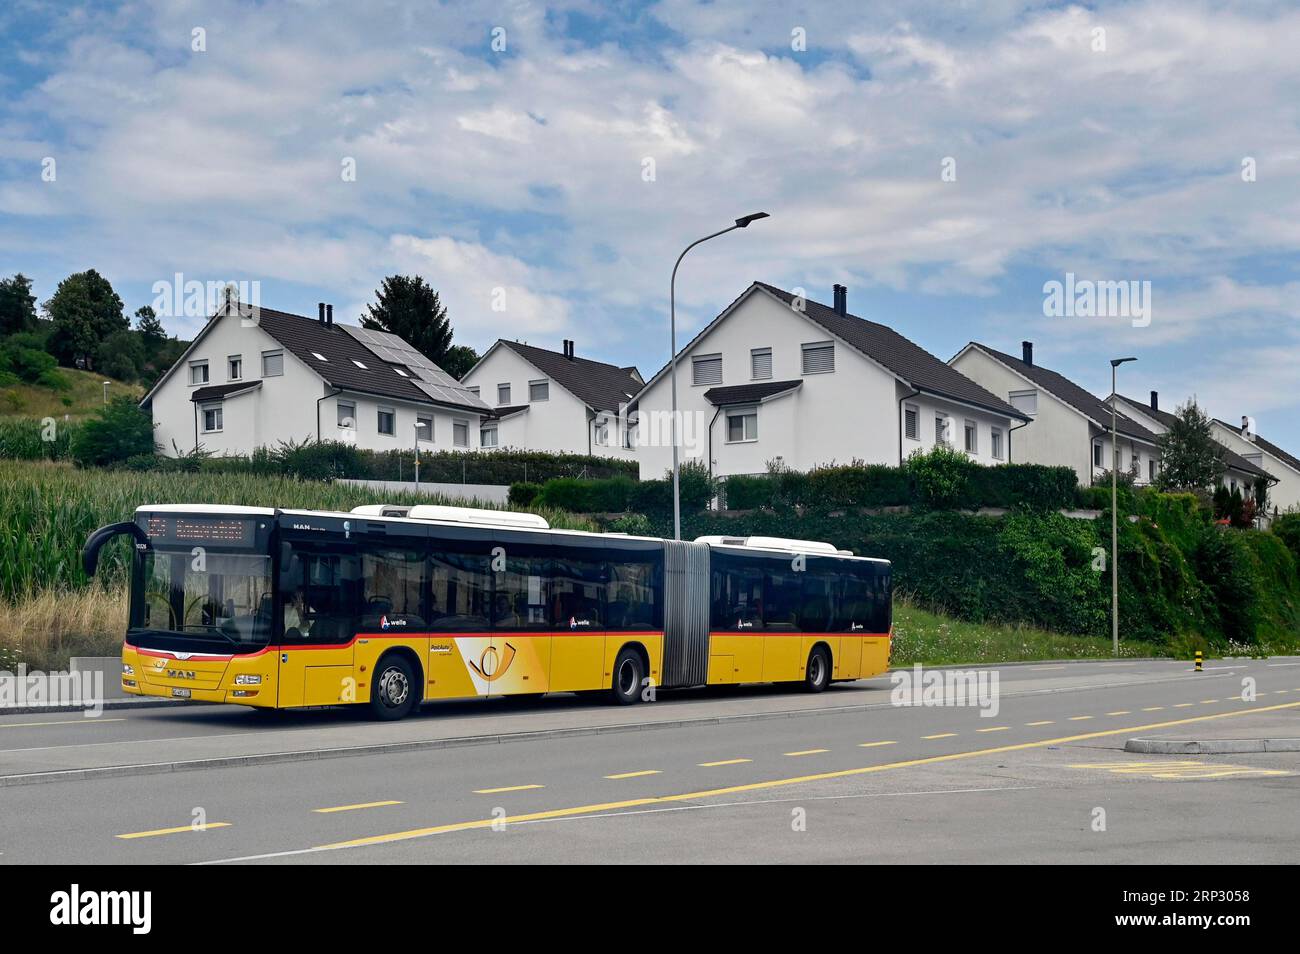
(95, 542)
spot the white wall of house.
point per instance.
(283, 408)
(364, 431)
(559, 424)
(852, 412)
(1285, 494)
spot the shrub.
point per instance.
(523, 494)
(941, 477)
(610, 495)
(118, 431)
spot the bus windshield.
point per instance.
(204, 596)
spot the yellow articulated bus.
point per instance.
(394, 606)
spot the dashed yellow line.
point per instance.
(350, 808)
(508, 788)
(1206, 702)
(1182, 705)
(640, 774)
(995, 728)
(481, 823)
(1153, 708)
(173, 831)
(807, 752)
(1120, 712)
(872, 745)
(940, 735)
(1044, 722)
(1079, 718)
(723, 762)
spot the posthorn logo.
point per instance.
(95, 908)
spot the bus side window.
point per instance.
(816, 610)
(578, 583)
(519, 592)
(393, 582)
(633, 587)
(782, 599)
(738, 594)
(461, 586)
(321, 596)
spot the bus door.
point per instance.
(579, 578)
(320, 588)
(517, 657)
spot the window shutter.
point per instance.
(707, 370)
(818, 357)
(760, 360)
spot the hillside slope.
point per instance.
(85, 394)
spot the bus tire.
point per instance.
(629, 674)
(394, 692)
(818, 674)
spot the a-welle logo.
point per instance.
(76, 907)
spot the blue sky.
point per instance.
(1105, 140)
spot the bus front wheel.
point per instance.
(393, 693)
(629, 673)
(818, 674)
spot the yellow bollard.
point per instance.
(1198, 661)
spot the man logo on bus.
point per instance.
(493, 665)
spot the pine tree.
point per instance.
(405, 306)
(17, 305)
(1190, 457)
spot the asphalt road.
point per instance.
(773, 777)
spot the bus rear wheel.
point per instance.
(818, 674)
(629, 673)
(393, 693)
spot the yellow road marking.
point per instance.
(634, 774)
(348, 808)
(508, 788)
(995, 728)
(808, 752)
(1178, 769)
(872, 745)
(1044, 722)
(780, 782)
(1206, 702)
(82, 721)
(1153, 708)
(1182, 705)
(173, 831)
(723, 762)
(941, 735)
(1120, 712)
(1079, 718)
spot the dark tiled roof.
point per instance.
(499, 412)
(600, 386)
(1083, 401)
(1230, 457)
(748, 393)
(1268, 446)
(214, 391)
(922, 370)
(307, 337)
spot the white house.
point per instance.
(1071, 425)
(555, 401)
(1239, 473)
(1284, 467)
(257, 378)
(781, 379)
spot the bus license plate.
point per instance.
(181, 693)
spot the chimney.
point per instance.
(1027, 352)
(568, 348)
(1155, 401)
(329, 314)
(320, 312)
(841, 299)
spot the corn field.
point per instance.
(48, 509)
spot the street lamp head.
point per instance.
(744, 220)
(1116, 362)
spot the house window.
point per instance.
(760, 364)
(460, 434)
(235, 367)
(742, 425)
(1024, 401)
(473, 390)
(706, 369)
(539, 390)
(387, 421)
(1151, 470)
(424, 427)
(487, 436)
(320, 357)
(995, 442)
(503, 394)
(198, 372)
(360, 365)
(272, 363)
(211, 418)
(911, 422)
(1096, 454)
(347, 414)
(941, 429)
(819, 357)
(972, 438)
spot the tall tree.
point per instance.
(17, 305)
(1190, 457)
(407, 307)
(84, 310)
(458, 360)
(152, 333)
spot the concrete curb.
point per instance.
(1210, 746)
(107, 704)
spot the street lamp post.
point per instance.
(1114, 509)
(741, 223)
(106, 384)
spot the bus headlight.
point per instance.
(247, 679)
(128, 670)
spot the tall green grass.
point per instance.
(48, 509)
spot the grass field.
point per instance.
(85, 395)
